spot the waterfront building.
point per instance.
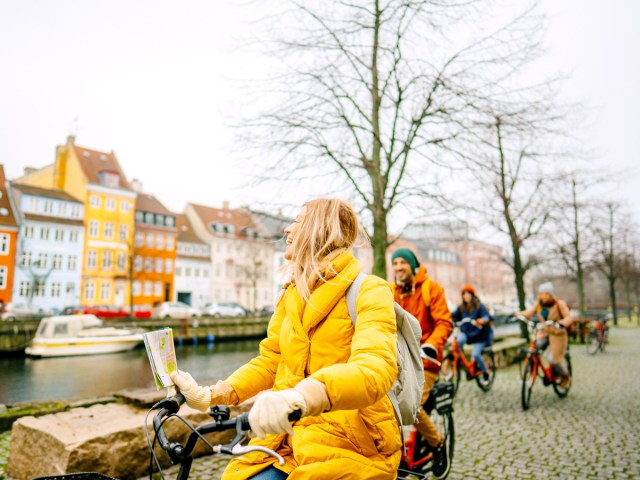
(154, 253)
(96, 178)
(192, 283)
(241, 255)
(8, 240)
(50, 247)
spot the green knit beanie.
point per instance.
(408, 256)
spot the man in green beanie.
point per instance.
(424, 299)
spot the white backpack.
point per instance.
(406, 392)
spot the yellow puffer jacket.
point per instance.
(359, 438)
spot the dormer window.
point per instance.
(109, 179)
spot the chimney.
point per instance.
(225, 204)
(29, 170)
(71, 139)
(136, 185)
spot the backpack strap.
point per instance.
(426, 292)
(352, 295)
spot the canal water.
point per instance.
(24, 379)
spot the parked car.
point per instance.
(71, 310)
(224, 309)
(105, 311)
(266, 311)
(22, 311)
(174, 310)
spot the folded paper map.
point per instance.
(162, 355)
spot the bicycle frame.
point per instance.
(534, 356)
(460, 358)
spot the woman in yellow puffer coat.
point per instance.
(314, 360)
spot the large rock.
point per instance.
(107, 439)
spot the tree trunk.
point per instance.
(612, 297)
(379, 243)
(579, 272)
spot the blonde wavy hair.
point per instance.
(329, 227)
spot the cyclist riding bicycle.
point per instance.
(315, 360)
(478, 331)
(425, 300)
(547, 307)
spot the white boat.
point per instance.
(66, 335)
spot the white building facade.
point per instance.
(192, 281)
(50, 248)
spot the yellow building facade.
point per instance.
(97, 179)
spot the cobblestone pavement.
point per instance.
(591, 434)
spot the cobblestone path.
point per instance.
(594, 433)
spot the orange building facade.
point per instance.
(8, 240)
(154, 253)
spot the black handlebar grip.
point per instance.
(180, 398)
(295, 415)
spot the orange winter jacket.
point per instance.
(435, 318)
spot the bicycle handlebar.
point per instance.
(178, 453)
(534, 323)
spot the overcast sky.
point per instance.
(153, 81)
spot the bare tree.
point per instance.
(607, 258)
(628, 267)
(375, 94)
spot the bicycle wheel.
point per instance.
(563, 392)
(485, 385)
(592, 342)
(444, 424)
(446, 372)
(527, 383)
(605, 339)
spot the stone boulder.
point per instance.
(107, 439)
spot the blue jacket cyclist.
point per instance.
(478, 330)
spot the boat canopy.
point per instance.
(66, 325)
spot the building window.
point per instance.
(38, 290)
(187, 272)
(44, 233)
(110, 204)
(75, 211)
(72, 262)
(205, 272)
(28, 231)
(25, 289)
(105, 291)
(55, 289)
(137, 288)
(139, 239)
(148, 218)
(125, 206)
(122, 261)
(94, 226)
(170, 244)
(147, 288)
(108, 230)
(59, 235)
(94, 201)
(157, 289)
(168, 265)
(5, 243)
(73, 237)
(149, 240)
(62, 209)
(33, 204)
(178, 271)
(159, 242)
(123, 232)
(48, 206)
(109, 179)
(137, 264)
(92, 259)
(196, 272)
(159, 265)
(148, 264)
(3, 277)
(25, 259)
(56, 261)
(169, 221)
(139, 217)
(107, 259)
(43, 260)
(90, 291)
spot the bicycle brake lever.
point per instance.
(241, 450)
